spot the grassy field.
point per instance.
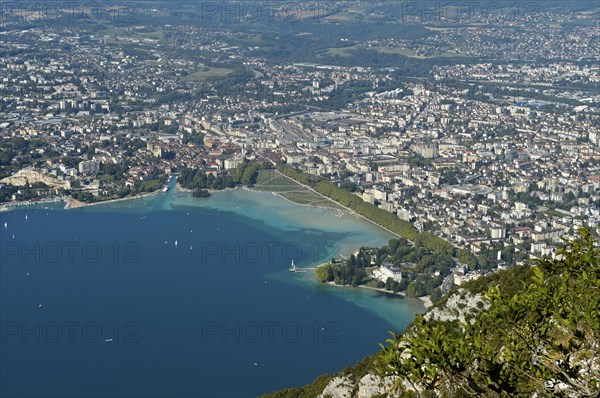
(156, 35)
(272, 181)
(341, 51)
(208, 73)
(347, 52)
(114, 32)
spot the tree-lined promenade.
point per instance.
(382, 218)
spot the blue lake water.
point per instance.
(101, 301)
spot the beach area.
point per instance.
(425, 299)
(180, 188)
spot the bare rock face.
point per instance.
(461, 306)
(371, 385)
(339, 387)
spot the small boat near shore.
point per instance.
(297, 270)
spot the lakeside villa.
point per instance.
(387, 270)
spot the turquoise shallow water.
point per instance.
(126, 311)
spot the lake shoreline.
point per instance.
(76, 204)
(12, 205)
(71, 203)
(347, 209)
(183, 189)
(267, 293)
(292, 202)
(426, 300)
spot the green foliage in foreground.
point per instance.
(543, 339)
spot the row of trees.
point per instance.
(27, 192)
(341, 274)
(430, 253)
(384, 218)
(348, 199)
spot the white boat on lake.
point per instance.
(294, 268)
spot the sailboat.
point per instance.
(294, 268)
(175, 243)
(26, 217)
(5, 225)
